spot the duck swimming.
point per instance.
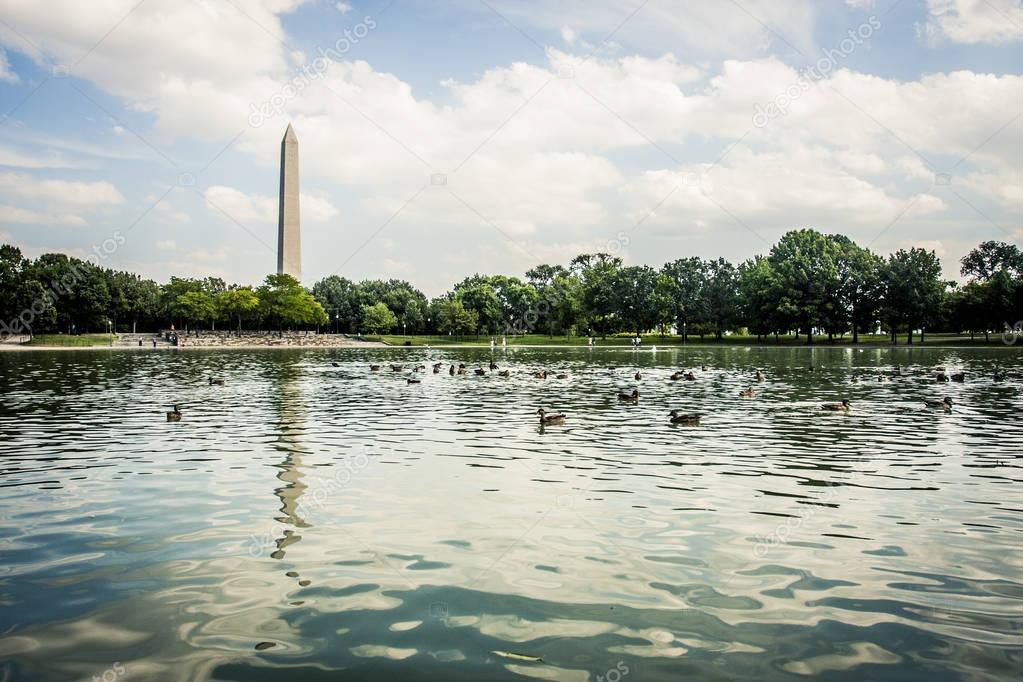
(682, 418)
(413, 381)
(479, 372)
(760, 376)
(638, 376)
(629, 397)
(548, 419)
(374, 368)
(174, 415)
(941, 377)
(216, 382)
(959, 377)
(943, 404)
(837, 407)
(748, 393)
(397, 368)
(504, 373)
(493, 365)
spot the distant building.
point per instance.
(289, 237)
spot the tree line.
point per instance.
(809, 284)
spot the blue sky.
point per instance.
(440, 139)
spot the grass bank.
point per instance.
(930, 340)
(85, 340)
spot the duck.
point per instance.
(548, 419)
(560, 376)
(760, 377)
(703, 368)
(436, 368)
(811, 368)
(959, 377)
(493, 365)
(689, 376)
(397, 368)
(461, 369)
(941, 377)
(837, 407)
(174, 415)
(683, 418)
(748, 393)
(540, 375)
(629, 397)
(216, 382)
(451, 370)
(998, 377)
(419, 368)
(638, 376)
(676, 376)
(943, 404)
(412, 380)
(334, 364)
(479, 372)
(374, 368)
(504, 373)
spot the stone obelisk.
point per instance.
(289, 239)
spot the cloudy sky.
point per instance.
(443, 138)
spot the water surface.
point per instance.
(307, 521)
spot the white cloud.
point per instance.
(25, 216)
(166, 245)
(975, 21)
(257, 208)
(20, 159)
(70, 193)
(568, 35)
(343, 7)
(6, 74)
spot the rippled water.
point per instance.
(307, 521)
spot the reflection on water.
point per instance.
(312, 521)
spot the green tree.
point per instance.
(237, 303)
(283, 300)
(721, 295)
(803, 262)
(913, 290)
(24, 303)
(452, 317)
(685, 280)
(340, 298)
(196, 306)
(378, 318)
(634, 289)
(597, 274)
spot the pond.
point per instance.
(312, 519)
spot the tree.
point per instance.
(685, 280)
(804, 265)
(721, 295)
(24, 303)
(913, 290)
(453, 318)
(634, 288)
(283, 300)
(378, 318)
(757, 304)
(237, 303)
(478, 295)
(597, 273)
(989, 258)
(196, 306)
(857, 294)
(340, 298)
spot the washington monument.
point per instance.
(289, 239)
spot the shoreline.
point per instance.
(15, 348)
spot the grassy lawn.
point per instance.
(659, 340)
(84, 340)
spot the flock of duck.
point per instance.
(674, 417)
